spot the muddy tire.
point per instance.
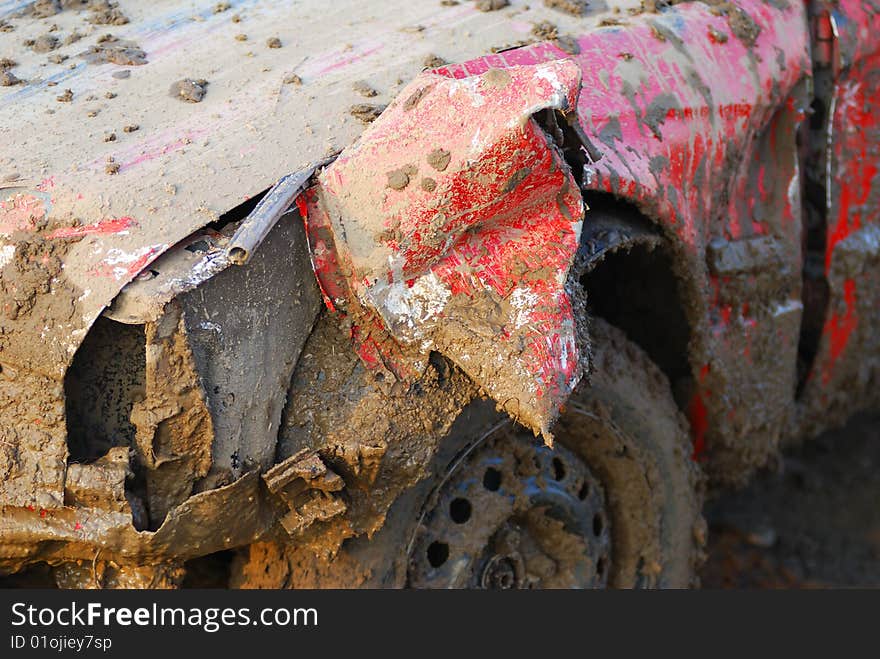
(621, 434)
(627, 427)
(627, 430)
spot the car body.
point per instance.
(738, 140)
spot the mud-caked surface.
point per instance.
(811, 521)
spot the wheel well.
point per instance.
(634, 285)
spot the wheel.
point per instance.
(617, 502)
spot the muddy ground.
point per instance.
(811, 522)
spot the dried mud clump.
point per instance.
(47, 8)
(416, 97)
(491, 5)
(366, 112)
(292, 79)
(220, 7)
(112, 167)
(573, 7)
(110, 50)
(189, 90)
(273, 42)
(105, 12)
(439, 159)
(8, 78)
(398, 179)
(568, 44)
(65, 97)
(545, 31)
(364, 89)
(433, 61)
(43, 44)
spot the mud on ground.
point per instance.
(811, 522)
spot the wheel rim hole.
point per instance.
(598, 524)
(600, 566)
(492, 479)
(460, 510)
(584, 492)
(438, 553)
(558, 469)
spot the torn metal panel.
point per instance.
(247, 327)
(451, 226)
(207, 522)
(190, 263)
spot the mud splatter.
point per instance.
(545, 31)
(416, 97)
(742, 25)
(43, 44)
(364, 89)
(498, 78)
(573, 7)
(433, 61)
(65, 97)
(8, 79)
(568, 44)
(105, 12)
(366, 112)
(292, 79)
(273, 42)
(439, 159)
(110, 50)
(189, 90)
(491, 5)
(398, 179)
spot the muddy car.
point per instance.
(290, 299)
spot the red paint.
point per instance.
(698, 415)
(839, 328)
(112, 225)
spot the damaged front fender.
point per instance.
(451, 226)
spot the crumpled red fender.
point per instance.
(451, 226)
